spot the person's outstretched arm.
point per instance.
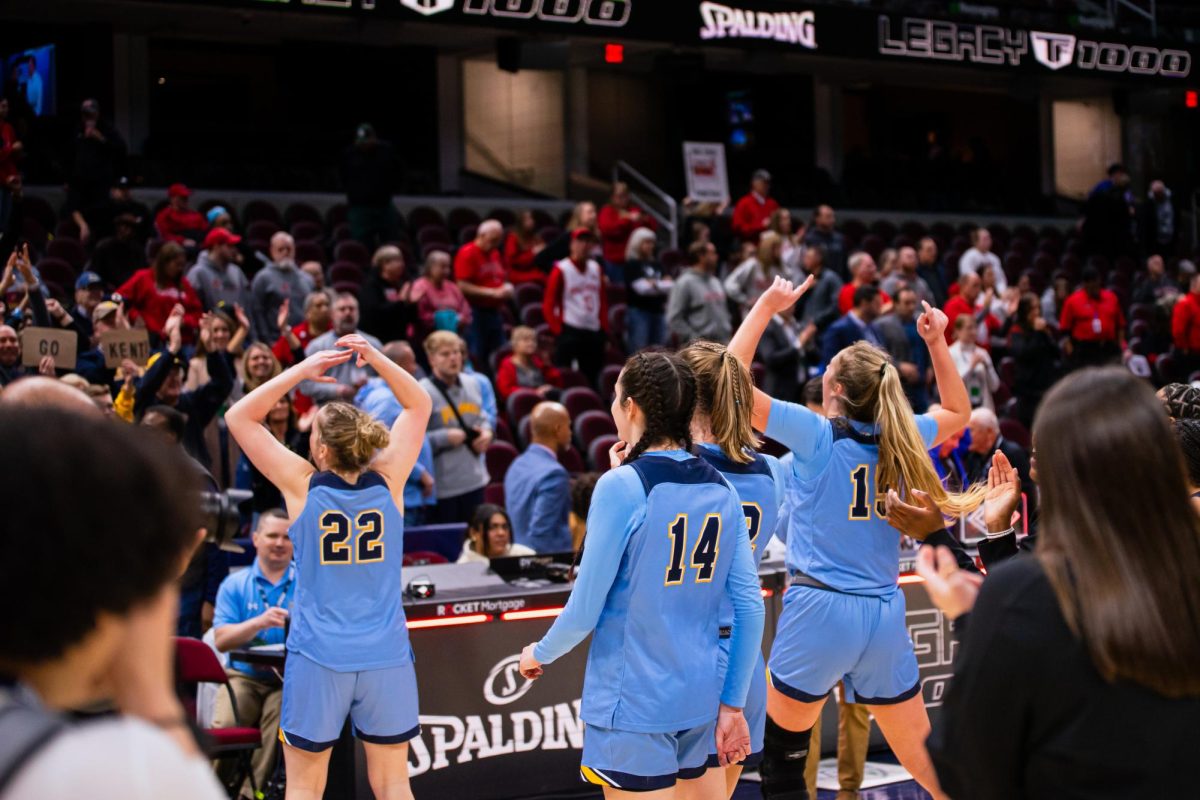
(955, 412)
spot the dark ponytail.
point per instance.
(664, 387)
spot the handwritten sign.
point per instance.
(704, 165)
(118, 345)
(37, 343)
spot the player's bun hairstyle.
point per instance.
(724, 394)
(664, 388)
(352, 436)
(1119, 539)
(873, 394)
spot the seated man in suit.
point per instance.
(986, 440)
(857, 324)
(537, 489)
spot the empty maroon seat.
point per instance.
(467, 234)
(494, 493)
(69, 250)
(338, 214)
(460, 218)
(347, 287)
(257, 210)
(309, 251)
(66, 229)
(503, 432)
(523, 431)
(616, 321)
(422, 558)
(421, 216)
(532, 315)
(520, 403)
(308, 231)
(608, 381)
(572, 377)
(301, 212)
(504, 216)
(433, 233)
(580, 399)
(261, 229)
(351, 250)
(1013, 430)
(526, 293)
(598, 452)
(56, 270)
(345, 271)
(591, 425)
(499, 458)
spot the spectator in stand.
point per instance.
(178, 223)
(887, 263)
(440, 304)
(371, 173)
(457, 431)
(1092, 317)
(523, 369)
(618, 219)
(217, 276)
(858, 324)
(986, 441)
(1185, 331)
(818, 308)
(949, 459)
(974, 364)
(479, 270)
(289, 430)
(377, 399)
(756, 274)
(1154, 284)
(315, 272)
(258, 365)
(225, 335)
(348, 377)
(696, 306)
(521, 246)
(10, 357)
(973, 302)
(489, 535)
(1109, 216)
(163, 385)
(537, 489)
(930, 270)
(1032, 345)
(646, 295)
(753, 211)
(121, 201)
(293, 339)
(865, 273)
(89, 361)
(253, 607)
(791, 251)
(1158, 221)
(110, 634)
(1055, 297)
(906, 274)
(904, 344)
(152, 293)
(89, 291)
(99, 160)
(576, 307)
(780, 352)
(822, 233)
(276, 282)
(980, 255)
(11, 149)
(385, 295)
(116, 258)
(487, 393)
(582, 216)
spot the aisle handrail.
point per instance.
(623, 171)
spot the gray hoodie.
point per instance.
(215, 284)
(456, 468)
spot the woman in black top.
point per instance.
(1032, 346)
(1079, 673)
(646, 299)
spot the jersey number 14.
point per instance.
(704, 552)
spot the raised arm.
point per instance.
(396, 460)
(780, 296)
(955, 412)
(286, 470)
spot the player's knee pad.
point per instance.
(785, 756)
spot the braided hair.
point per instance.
(664, 387)
(1187, 434)
(1182, 401)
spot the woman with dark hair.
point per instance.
(490, 536)
(1031, 344)
(1079, 674)
(521, 245)
(151, 293)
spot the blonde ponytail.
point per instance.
(352, 436)
(725, 394)
(873, 393)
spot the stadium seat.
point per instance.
(1139, 329)
(423, 558)
(351, 250)
(309, 251)
(196, 663)
(442, 247)
(542, 219)
(66, 229)
(520, 403)
(302, 212)
(1007, 369)
(1013, 430)
(608, 381)
(504, 216)
(446, 539)
(307, 231)
(526, 293)
(580, 399)
(498, 458)
(616, 294)
(672, 261)
(347, 287)
(33, 232)
(503, 432)
(433, 233)
(261, 210)
(261, 229)
(466, 234)
(337, 215)
(421, 216)
(598, 452)
(614, 354)
(345, 271)
(341, 232)
(571, 460)
(523, 432)
(549, 233)
(69, 250)
(56, 270)
(40, 210)
(572, 377)
(592, 424)
(498, 355)
(532, 315)
(494, 493)
(616, 321)
(1141, 311)
(461, 217)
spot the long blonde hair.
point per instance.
(725, 394)
(352, 436)
(873, 394)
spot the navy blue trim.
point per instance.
(332, 480)
(631, 783)
(844, 429)
(691, 471)
(307, 745)
(691, 773)
(722, 463)
(399, 738)
(797, 694)
(888, 701)
(752, 760)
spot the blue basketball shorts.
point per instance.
(381, 704)
(755, 709)
(644, 762)
(825, 636)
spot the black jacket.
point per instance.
(200, 405)
(385, 319)
(1036, 355)
(977, 468)
(778, 353)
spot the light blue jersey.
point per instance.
(836, 531)
(666, 543)
(349, 539)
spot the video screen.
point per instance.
(30, 80)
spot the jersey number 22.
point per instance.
(335, 538)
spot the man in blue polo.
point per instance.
(252, 609)
(537, 489)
